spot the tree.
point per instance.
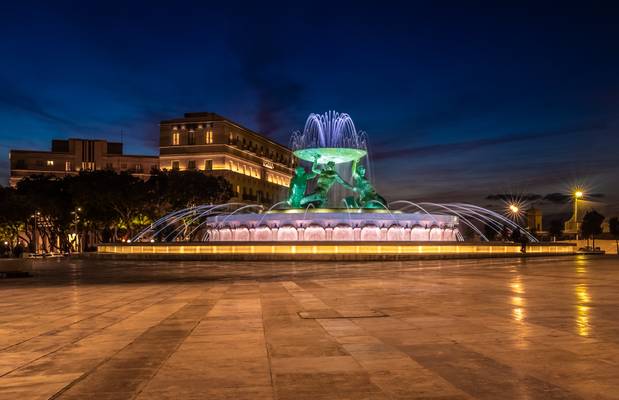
(99, 205)
(181, 189)
(15, 211)
(613, 225)
(591, 225)
(52, 205)
(556, 228)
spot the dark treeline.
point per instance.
(98, 206)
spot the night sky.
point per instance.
(459, 102)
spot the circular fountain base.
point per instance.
(331, 225)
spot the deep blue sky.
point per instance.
(459, 101)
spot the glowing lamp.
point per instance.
(578, 194)
(514, 208)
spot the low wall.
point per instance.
(326, 250)
(608, 245)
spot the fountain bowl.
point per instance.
(338, 155)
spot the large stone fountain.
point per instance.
(317, 209)
(332, 212)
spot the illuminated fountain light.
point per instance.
(331, 136)
(408, 221)
(332, 225)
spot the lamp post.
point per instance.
(77, 236)
(577, 195)
(35, 239)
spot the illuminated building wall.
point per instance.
(258, 168)
(68, 157)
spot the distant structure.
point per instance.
(534, 219)
(572, 226)
(258, 168)
(68, 157)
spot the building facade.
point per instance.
(258, 168)
(68, 157)
(534, 220)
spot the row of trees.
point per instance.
(590, 227)
(98, 206)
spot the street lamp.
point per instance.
(514, 211)
(578, 194)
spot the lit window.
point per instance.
(68, 166)
(208, 165)
(191, 137)
(176, 165)
(208, 136)
(138, 167)
(50, 163)
(176, 138)
(191, 164)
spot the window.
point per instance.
(50, 163)
(175, 165)
(90, 166)
(109, 166)
(68, 166)
(208, 165)
(208, 136)
(39, 163)
(138, 167)
(176, 138)
(191, 164)
(123, 166)
(191, 137)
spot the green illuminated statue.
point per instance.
(327, 176)
(298, 186)
(367, 196)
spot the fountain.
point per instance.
(332, 203)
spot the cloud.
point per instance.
(13, 97)
(446, 148)
(263, 68)
(507, 197)
(562, 198)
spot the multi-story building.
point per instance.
(70, 156)
(258, 168)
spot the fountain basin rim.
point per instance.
(338, 155)
(333, 210)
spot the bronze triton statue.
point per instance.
(327, 176)
(298, 186)
(368, 198)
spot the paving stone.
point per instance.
(538, 328)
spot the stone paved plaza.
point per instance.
(540, 328)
